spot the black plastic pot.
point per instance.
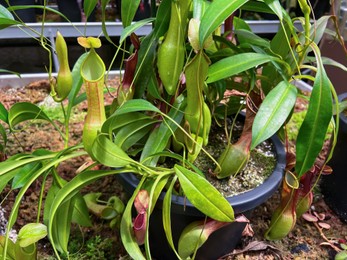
(220, 242)
(334, 185)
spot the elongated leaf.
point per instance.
(145, 69)
(104, 4)
(126, 227)
(130, 134)
(204, 196)
(312, 132)
(129, 8)
(77, 82)
(14, 212)
(215, 15)
(276, 7)
(108, 153)
(273, 112)
(115, 122)
(10, 165)
(250, 38)
(156, 188)
(3, 113)
(159, 138)
(236, 64)
(24, 174)
(5, 178)
(88, 7)
(167, 215)
(6, 18)
(3, 136)
(66, 193)
(135, 105)
(80, 214)
(133, 27)
(24, 111)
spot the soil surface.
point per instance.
(308, 240)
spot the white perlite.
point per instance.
(3, 226)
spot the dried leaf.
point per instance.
(248, 231)
(309, 217)
(320, 216)
(324, 225)
(254, 246)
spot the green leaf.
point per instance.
(5, 178)
(273, 112)
(11, 254)
(129, 8)
(236, 64)
(313, 130)
(6, 18)
(145, 71)
(204, 196)
(135, 105)
(24, 111)
(3, 113)
(80, 214)
(133, 27)
(116, 122)
(131, 133)
(160, 136)
(31, 233)
(64, 196)
(276, 7)
(250, 38)
(77, 82)
(24, 174)
(3, 136)
(104, 4)
(126, 227)
(89, 6)
(167, 215)
(215, 15)
(23, 159)
(108, 153)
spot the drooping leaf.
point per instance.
(129, 8)
(116, 122)
(273, 112)
(131, 133)
(126, 227)
(133, 27)
(250, 38)
(167, 215)
(109, 153)
(24, 111)
(135, 105)
(204, 196)
(89, 6)
(6, 18)
(3, 113)
(65, 195)
(236, 64)
(276, 7)
(313, 130)
(24, 174)
(159, 138)
(215, 15)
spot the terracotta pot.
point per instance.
(334, 185)
(225, 239)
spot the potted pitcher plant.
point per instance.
(191, 77)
